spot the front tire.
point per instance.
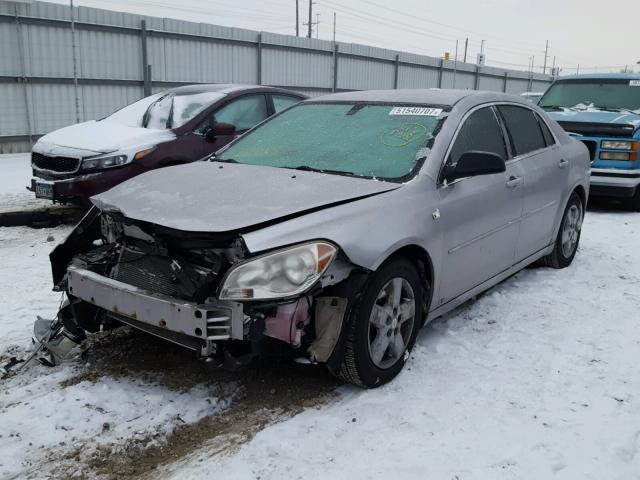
(634, 202)
(566, 244)
(384, 326)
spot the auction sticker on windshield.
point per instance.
(422, 111)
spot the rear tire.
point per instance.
(384, 326)
(566, 244)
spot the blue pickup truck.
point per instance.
(602, 111)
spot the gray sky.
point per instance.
(579, 31)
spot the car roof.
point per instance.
(227, 88)
(427, 96)
(602, 76)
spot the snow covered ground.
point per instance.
(15, 175)
(536, 379)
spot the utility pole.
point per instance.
(553, 69)
(334, 27)
(297, 19)
(578, 69)
(455, 65)
(546, 51)
(75, 62)
(466, 45)
(310, 18)
(317, 24)
(481, 47)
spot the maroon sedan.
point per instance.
(176, 126)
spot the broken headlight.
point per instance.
(284, 273)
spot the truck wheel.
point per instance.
(634, 202)
(383, 327)
(566, 244)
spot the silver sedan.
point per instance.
(339, 227)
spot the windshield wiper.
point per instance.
(614, 109)
(552, 107)
(307, 168)
(223, 160)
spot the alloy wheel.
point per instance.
(391, 322)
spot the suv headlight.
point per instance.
(284, 273)
(619, 145)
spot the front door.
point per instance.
(243, 112)
(480, 215)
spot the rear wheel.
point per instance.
(568, 238)
(383, 328)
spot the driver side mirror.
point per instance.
(219, 129)
(474, 163)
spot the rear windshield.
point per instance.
(365, 140)
(613, 94)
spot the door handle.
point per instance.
(514, 182)
(563, 163)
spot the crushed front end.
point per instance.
(203, 291)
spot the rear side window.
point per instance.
(524, 129)
(280, 102)
(480, 131)
(548, 138)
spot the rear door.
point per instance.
(546, 175)
(480, 215)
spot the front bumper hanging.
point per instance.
(195, 326)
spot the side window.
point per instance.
(280, 102)
(548, 138)
(523, 127)
(244, 113)
(480, 131)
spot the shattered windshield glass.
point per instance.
(174, 109)
(604, 94)
(365, 140)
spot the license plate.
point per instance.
(44, 190)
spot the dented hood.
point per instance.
(223, 197)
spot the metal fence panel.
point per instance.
(296, 68)
(36, 64)
(517, 86)
(110, 55)
(13, 120)
(411, 76)
(99, 101)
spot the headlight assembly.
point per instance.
(104, 162)
(619, 145)
(284, 273)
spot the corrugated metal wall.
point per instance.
(37, 91)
